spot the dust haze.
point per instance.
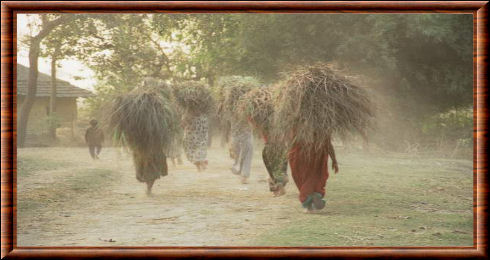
(406, 182)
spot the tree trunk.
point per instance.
(26, 106)
(25, 109)
(211, 80)
(52, 99)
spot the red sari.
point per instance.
(309, 170)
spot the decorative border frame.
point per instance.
(9, 9)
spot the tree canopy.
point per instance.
(423, 59)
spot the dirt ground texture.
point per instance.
(64, 198)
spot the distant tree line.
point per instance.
(422, 63)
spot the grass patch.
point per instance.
(67, 188)
(393, 201)
(26, 165)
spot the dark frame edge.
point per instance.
(241, 252)
(480, 136)
(247, 6)
(8, 135)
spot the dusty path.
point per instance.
(66, 199)
(187, 208)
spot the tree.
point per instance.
(122, 50)
(63, 42)
(48, 23)
(423, 59)
(420, 63)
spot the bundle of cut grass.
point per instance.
(167, 92)
(146, 121)
(258, 106)
(159, 86)
(233, 87)
(313, 103)
(194, 97)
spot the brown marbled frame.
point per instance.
(9, 248)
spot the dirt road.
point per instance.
(66, 199)
(187, 207)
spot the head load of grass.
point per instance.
(145, 120)
(232, 88)
(194, 97)
(167, 92)
(159, 86)
(313, 103)
(257, 105)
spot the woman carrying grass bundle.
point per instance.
(309, 168)
(241, 149)
(258, 108)
(145, 120)
(195, 101)
(175, 151)
(312, 105)
(196, 140)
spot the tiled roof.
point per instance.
(63, 88)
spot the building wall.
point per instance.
(66, 110)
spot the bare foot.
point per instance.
(234, 170)
(311, 211)
(244, 180)
(204, 165)
(279, 192)
(149, 185)
(198, 165)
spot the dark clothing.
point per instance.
(94, 138)
(94, 150)
(150, 168)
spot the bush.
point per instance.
(453, 128)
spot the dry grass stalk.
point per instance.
(145, 120)
(232, 88)
(194, 98)
(313, 103)
(257, 105)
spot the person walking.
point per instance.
(94, 137)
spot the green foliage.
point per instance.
(209, 40)
(65, 40)
(433, 53)
(422, 62)
(452, 126)
(430, 53)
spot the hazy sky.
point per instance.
(69, 68)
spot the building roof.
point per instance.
(63, 88)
